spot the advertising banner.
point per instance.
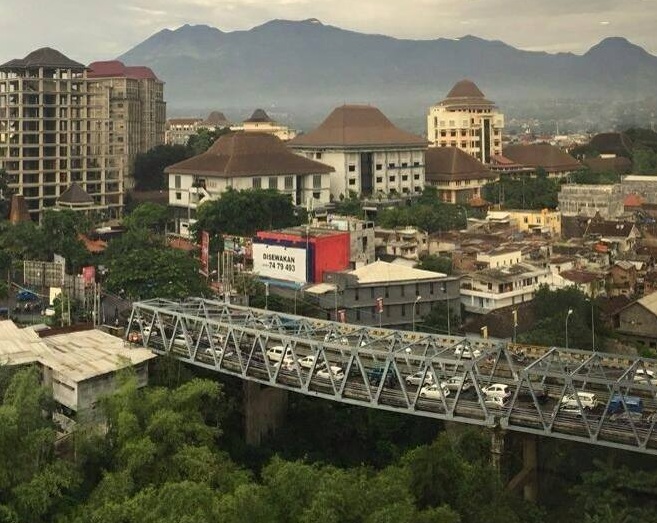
(279, 262)
(379, 305)
(205, 252)
(89, 274)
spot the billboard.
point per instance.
(279, 262)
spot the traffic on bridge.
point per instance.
(592, 397)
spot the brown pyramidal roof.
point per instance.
(544, 155)
(357, 125)
(259, 115)
(248, 154)
(465, 92)
(612, 143)
(44, 57)
(75, 194)
(452, 163)
(216, 118)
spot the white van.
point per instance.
(278, 353)
(587, 400)
(497, 390)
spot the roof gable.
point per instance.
(543, 155)
(44, 57)
(357, 125)
(75, 195)
(444, 163)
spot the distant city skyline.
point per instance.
(100, 30)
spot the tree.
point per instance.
(644, 160)
(243, 213)
(203, 139)
(436, 320)
(537, 193)
(149, 166)
(62, 228)
(142, 266)
(148, 215)
(434, 263)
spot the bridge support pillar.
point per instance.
(264, 410)
(527, 478)
(497, 447)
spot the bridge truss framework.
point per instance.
(370, 367)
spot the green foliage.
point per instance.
(644, 160)
(646, 138)
(351, 206)
(436, 320)
(434, 263)
(148, 215)
(243, 213)
(61, 229)
(428, 213)
(201, 141)
(551, 308)
(141, 265)
(149, 166)
(588, 177)
(23, 241)
(537, 193)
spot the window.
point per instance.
(404, 164)
(318, 156)
(289, 183)
(317, 195)
(177, 181)
(391, 178)
(352, 168)
(387, 293)
(273, 182)
(403, 310)
(257, 183)
(404, 178)
(379, 179)
(402, 292)
(416, 176)
(416, 164)
(317, 181)
(178, 196)
(417, 289)
(352, 181)
(430, 287)
(391, 165)
(356, 295)
(357, 314)
(379, 166)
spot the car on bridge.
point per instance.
(497, 390)
(587, 400)
(182, 340)
(456, 382)
(325, 372)
(278, 353)
(307, 362)
(375, 375)
(434, 392)
(464, 350)
(645, 377)
(495, 402)
(416, 378)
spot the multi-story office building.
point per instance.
(465, 119)
(369, 154)
(131, 101)
(59, 127)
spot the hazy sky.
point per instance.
(88, 30)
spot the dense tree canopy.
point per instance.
(149, 166)
(142, 266)
(537, 193)
(148, 215)
(245, 212)
(201, 141)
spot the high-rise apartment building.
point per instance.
(132, 101)
(59, 127)
(465, 119)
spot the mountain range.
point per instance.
(306, 66)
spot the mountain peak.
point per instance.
(615, 44)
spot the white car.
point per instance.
(307, 362)
(434, 392)
(587, 400)
(645, 376)
(334, 338)
(456, 382)
(465, 351)
(278, 353)
(416, 379)
(150, 332)
(497, 390)
(183, 341)
(337, 372)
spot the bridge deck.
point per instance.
(383, 369)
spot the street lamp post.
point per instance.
(266, 295)
(417, 299)
(449, 328)
(570, 312)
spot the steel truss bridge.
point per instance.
(375, 364)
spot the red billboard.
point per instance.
(205, 252)
(89, 274)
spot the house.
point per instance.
(466, 120)
(491, 289)
(499, 257)
(403, 242)
(622, 278)
(618, 236)
(244, 161)
(638, 321)
(645, 186)
(260, 122)
(457, 176)
(551, 159)
(405, 294)
(544, 221)
(368, 154)
(361, 232)
(590, 283)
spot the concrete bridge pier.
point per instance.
(264, 411)
(527, 478)
(497, 447)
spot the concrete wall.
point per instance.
(638, 322)
(264, 411)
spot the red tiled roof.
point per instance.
(580, 276)
(248, 154)
(634, 200)
(543, 155)
(181, 244)
(452, 163)
(357, 125)
(115, 68)
(93, 246)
